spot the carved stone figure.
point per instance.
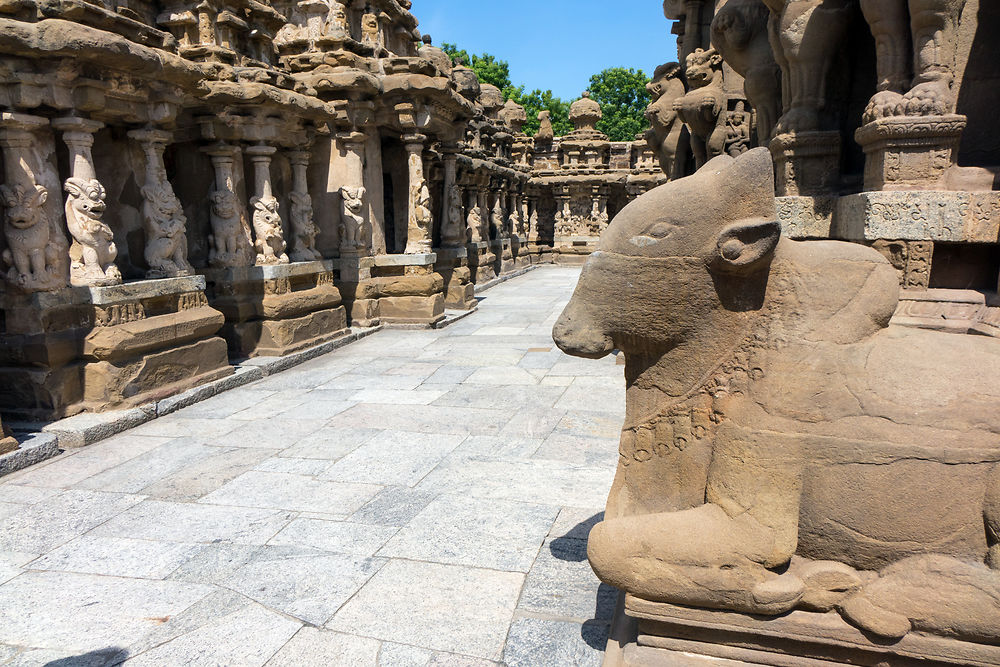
(437, 56)
(304, 229)
(917, 80)
(94, 251)
(514, 115)
(166, 239)
(455, 206)
(369, 30)
(270, 242)
(703, 108)
(740, 34)
(784, 448)
(231, 243)
(666, 126)
(33, 261)
(352, 218)
(474, 220)
(805, 37)
(545, 133)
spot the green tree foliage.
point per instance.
(621, 92)
(623, 98)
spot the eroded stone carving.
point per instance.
(94, 240)
(32, 259)
(702, 108)
(770, 422)
(740, 34)
(930, 26)
(231, 244)
(162, 213)
(300, 213)
(269, 238)
(805, 36)
(352, 219)
(666, 126)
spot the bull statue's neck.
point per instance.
(659, 381)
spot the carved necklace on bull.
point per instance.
(696, 414)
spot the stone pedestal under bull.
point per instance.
(785, 450)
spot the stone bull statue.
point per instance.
(784, 447)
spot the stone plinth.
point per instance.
(806, 217)
(910, 153)
(7, 442)
(357, 290)
(453, 265)
(666, 632)
(275, 310)
(969, 217)
(807, 163)
(573, 250)
(99, 348)
(481, 260)
(408, 289)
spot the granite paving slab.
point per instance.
(416, 498)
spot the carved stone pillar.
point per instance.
(300, 210)
(452, 232)
(514, 216)
(93, 253)
(419, 216)
(484, 212)
(354, 232)
(162, 213)
(532, 219)
(269, 238)
(231, 244)
(36, 257)
(473, 220)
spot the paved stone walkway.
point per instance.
(416, 498)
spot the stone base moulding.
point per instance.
(807, 163)
(101, 348)
(910, 153)
(276, 310)
(665, 635)
(481, 262)
(409, 290)
(453, 265)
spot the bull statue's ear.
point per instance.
(747, 245)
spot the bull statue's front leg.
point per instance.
(722, 554)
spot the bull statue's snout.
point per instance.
(576, 333)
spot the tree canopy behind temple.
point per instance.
(623, 98)
(623, 108)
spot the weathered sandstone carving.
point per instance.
(931, 27)
(352, 219)
(300, 213)
(162, 213)
(805, 36)
(666, 126)
(269, 238)
(774, 420)
(94, 240)
(231, 242)
(740, 34)
(32, 259)
(702, 107)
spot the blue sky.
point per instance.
(554, 44)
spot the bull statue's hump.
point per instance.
(773, 457)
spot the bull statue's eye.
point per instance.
(661, 230)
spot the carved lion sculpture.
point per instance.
(230, 241)
(270, 241)
(303, 227)
(740, 33)
(783, 446)
(666, 128)
(166, 239)
(32, 259)
(95, 251)
(703, 108)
